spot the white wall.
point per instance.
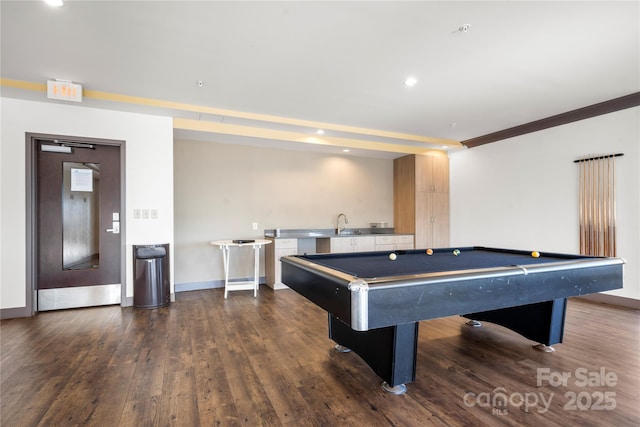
(519, 193)
(149, 177)
(522, 193)
(221, 189)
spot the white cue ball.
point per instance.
(393, 256)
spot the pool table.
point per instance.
(375, 304)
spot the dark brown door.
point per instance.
(78, 225)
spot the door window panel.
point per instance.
(80, 216)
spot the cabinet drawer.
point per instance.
(405, 239)
(400, 239)
(286, 243)
(385, 240)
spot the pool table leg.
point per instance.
(540, 322)
(390, 351)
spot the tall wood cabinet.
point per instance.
(421, 198)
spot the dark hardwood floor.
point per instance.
(268, 361)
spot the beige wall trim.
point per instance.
(273, 134)
(156, 103)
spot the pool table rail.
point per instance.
(439, 294)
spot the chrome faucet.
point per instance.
(346, 221)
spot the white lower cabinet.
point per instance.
(273, 267)
(338, 245)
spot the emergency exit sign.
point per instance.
(64, 90)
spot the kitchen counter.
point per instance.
(310, 233)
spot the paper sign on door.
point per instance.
(81, 180)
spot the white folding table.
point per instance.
(225, 246)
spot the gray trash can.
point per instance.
(151, 286)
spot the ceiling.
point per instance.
(271, 73)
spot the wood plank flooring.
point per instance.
(267, 361)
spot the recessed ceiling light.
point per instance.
(320, 132)
(346, 150)
(410, 81)
(56, 3)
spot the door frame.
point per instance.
(31, 140)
